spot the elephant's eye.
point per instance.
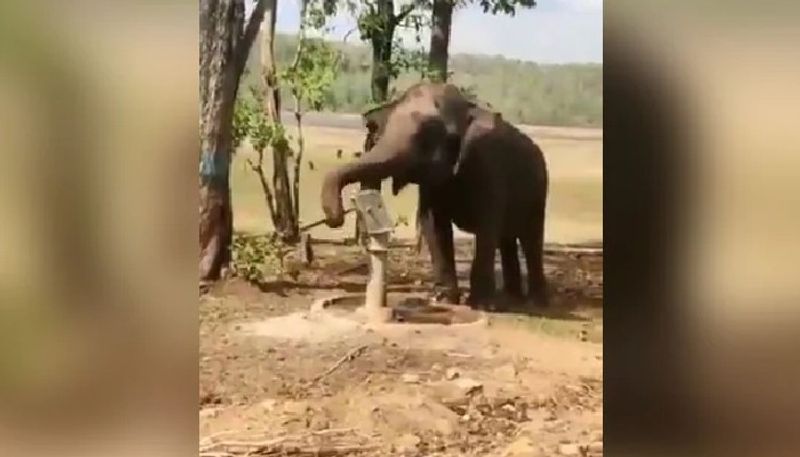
(430, 133)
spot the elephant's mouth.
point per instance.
(401, 180)
(398, 184)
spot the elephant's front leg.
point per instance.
(437, 229)
(481, 281)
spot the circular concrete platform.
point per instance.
(405, 309)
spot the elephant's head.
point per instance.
(418, 141)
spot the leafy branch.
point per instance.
(309, 78)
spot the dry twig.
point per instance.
(283, 448)
(332, 451)
(267, 444)
(351, 355)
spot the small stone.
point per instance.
(508, 407)
(269, 404)
(410, 378)
(596, 447)
(522, 447)
(468, 386)
(319, 423)
(569, 449)
(296, 407)
(452, 373)
(507, 372)
(407, 443)
(207, 413)
(436, 367)
(465, 418)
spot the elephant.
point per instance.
(474, 169)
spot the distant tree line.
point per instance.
(525, 92)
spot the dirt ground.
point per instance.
(511, 384)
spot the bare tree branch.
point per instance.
(249, 35)
(371, 7)
(404, 12)
(253, 166)
(268, 197)
(347, 35)
(258, 168)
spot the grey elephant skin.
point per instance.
(474, 169)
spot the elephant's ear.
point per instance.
(375, 122)
(484, 119)
(375, 119)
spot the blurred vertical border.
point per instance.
(98, 320)
(701, 237)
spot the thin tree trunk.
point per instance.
(298, 161)
(382, 51)
(298, 115)
(220, 27)
(287, 227)
(441, 19)
(258, 169)
(272, 99)
(380, 77)
(224, 44)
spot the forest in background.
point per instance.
(525, 92)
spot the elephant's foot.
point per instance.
(502, 302)
(538, 297)
(486, 302)
(508, 301)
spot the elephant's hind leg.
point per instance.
(532, 242)
(481, 281)
(512, 278)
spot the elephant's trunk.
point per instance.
(375, 165)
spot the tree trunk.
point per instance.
(382, 51)
(298, 117)
(381, 75)
(381, 68)
(441, 19)
(221, 24)
(224, 46)
(287, 226)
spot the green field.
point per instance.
(575, 204)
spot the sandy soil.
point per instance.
(276, 381)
